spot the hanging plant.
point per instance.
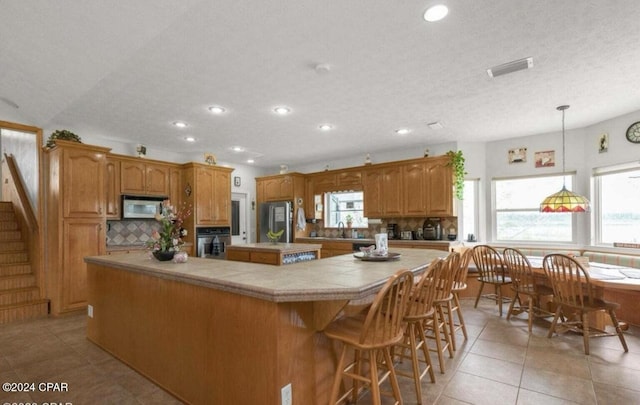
(457, 163)
(62, 134)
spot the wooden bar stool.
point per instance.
(369, 334)
(491, 270)
(453, 306)
(438, 326)
(419, 309)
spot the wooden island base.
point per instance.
(207, 346)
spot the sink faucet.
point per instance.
(342, 234)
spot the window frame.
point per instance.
(495, 210)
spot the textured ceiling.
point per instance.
(127, 70)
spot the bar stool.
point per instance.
(438, 326)
(376, 331)
(453, 306)
(419, 309)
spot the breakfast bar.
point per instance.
(228, 332)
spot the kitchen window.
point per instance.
(342, 205)
(517, 217)
(617, 193)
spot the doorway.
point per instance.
(239, 234)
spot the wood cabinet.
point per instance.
(76, 217)
(351, 179)
(112, 190)
(336, 248)
(282, 187)
(428, 188)
(383, 192)
(144, 178)
(209, 195)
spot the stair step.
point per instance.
(34, 309)
(14, 269)
(8, 226)
(17, 281)
(7, 216)
(13, 257)
(19, 295)
(12, 246)
(6, 206)
(10, 235)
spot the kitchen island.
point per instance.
(274, 253)
(225, 332)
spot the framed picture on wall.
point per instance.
(518, 155)
(545, 158)
(236, 181)
(603, 143)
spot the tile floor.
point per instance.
(500, 363)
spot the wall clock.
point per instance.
(633, 133)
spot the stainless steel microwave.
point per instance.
(141, 207)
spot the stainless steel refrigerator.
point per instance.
(276, 216)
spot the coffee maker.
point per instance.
(392, 231)
(432, 229)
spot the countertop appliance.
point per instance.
(432, 229)
(212, 242)
(141, 207)
(276, 216)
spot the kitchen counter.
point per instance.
(207, 330)
(276, 254)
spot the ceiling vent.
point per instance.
(510, 67)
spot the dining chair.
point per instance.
(419, 309)
(573, 293)
(524, 286)
(438, 326)
(491, 271)
(368, 334)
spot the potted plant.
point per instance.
(62, 134)
(349, 220)
(457, 163)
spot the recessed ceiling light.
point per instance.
(216, 109)
(403, 131)
(250, 161)
(190, 139)
(282, 110)
(180, 124)
(436, 13)
(237, 149)
(326, 127)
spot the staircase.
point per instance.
(19, 293)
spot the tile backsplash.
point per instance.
(448, 224)
(130, 232)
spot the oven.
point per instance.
(212, 242)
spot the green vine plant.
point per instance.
(457, 163)
(64, 135)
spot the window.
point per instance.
(617, 218)
(517, 216)
(470, 210)
(340, 206)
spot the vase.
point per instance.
(163, 256)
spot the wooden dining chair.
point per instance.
(573, 293)
(524, 286)
(370, 334)
(419, 310)
(491, 269)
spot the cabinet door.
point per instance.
(439, 189)
(204, 195)
(325, 182)
(175, 186)
(278, 189)
(413, 176)
(113, 188)
(83, 184)
(222, 198)
(373, 204)
(157, 179)
(132, 177)
(349, 179)
(392, 191)
(81, 237)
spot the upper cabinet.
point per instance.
(112, 184)
(83, 191)
(382, 192)
(208, 190)
(138, 177)
(280, 187)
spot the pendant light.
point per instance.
(564, 200)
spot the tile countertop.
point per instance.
(337, 278)
(279, 247)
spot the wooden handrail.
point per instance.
(32, 221)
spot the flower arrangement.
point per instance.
(169, 237)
